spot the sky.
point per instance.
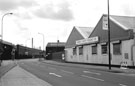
(54, 19)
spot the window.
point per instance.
(104, 49)
(74, 51)
(117, 48)
(94, 49)
(81, 50)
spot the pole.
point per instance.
(2, 24)
(43, 39)
(2, 32)
(109, 50)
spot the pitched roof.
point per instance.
(77, 33)
(120, 28)
(126, 22)
(54, 44)
(85, 31)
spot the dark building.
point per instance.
(5, 50)
(54, 48)
(23, 52)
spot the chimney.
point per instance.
(58, 41)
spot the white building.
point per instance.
(94, 49)
(77, 33)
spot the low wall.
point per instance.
(57, 55)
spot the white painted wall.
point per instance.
(68, 52)
(116, 59)
(126, 48)
(100, 58)
(70, 57)
(85, 54)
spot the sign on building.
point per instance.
(105, 22)
(87, 41)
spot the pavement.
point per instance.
(94, 67)
(19, 77)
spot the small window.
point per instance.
(74, 51)
(94, 49)
(104, 49)
(81, 50)
(117, 48)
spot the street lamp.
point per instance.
(2, 31)
(2, 23)
(43, 39)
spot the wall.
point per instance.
(100, 58)
(68, 54)
(126, 48)
(96, 58)
(57, 55)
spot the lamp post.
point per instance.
(43, 39)
(2, 33)
(2, 23)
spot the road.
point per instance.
(58, 75)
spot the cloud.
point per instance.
(128, 8)
(23, 13)
(60, 11)
(6, 5)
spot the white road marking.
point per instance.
(122, 85)
(91, 72)
(55, 74)
(67, 72)
(92, 78)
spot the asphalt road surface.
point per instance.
(58, 75)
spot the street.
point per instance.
(58, 75)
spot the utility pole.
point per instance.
(43, 39)
(109, 48)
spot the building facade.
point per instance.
(71, 51)
(54, 50)
(94, 49)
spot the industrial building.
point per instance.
(54, 50)
(94, 49)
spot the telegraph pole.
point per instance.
(109, 48)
